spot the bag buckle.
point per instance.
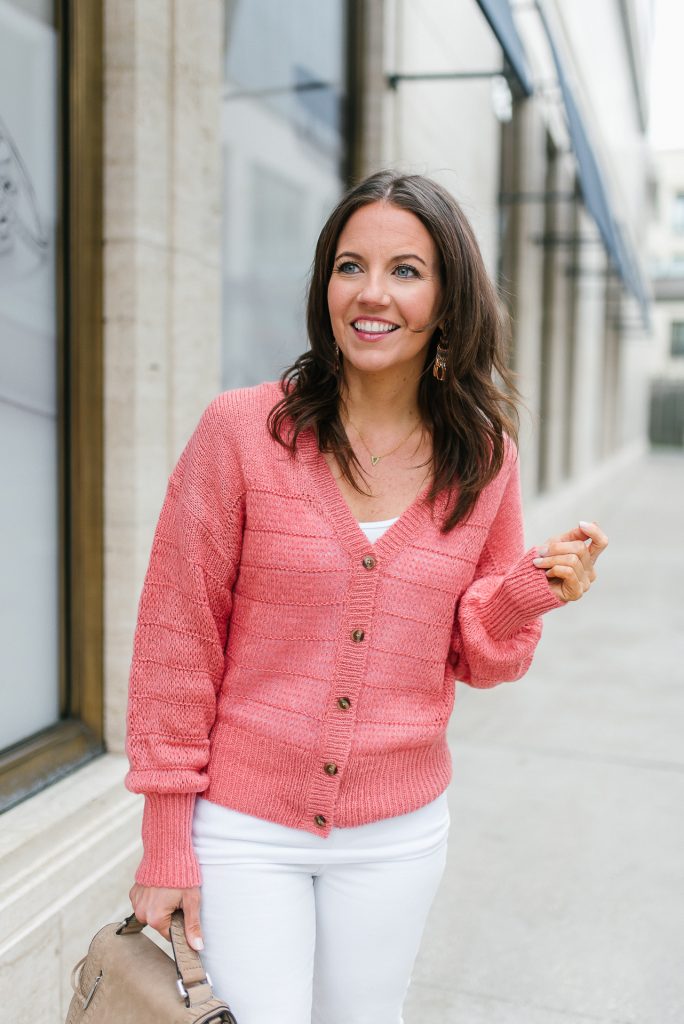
(183, 992)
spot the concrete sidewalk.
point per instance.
(563, 900)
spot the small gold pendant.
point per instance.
(375, 459)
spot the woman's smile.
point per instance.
(373, 330)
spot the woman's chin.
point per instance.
(375, 363)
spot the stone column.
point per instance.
(162, 282)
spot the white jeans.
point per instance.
(299, 929)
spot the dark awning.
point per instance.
(498, 14)
(595, 193)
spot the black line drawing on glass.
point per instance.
(20, 218)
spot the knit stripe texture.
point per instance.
(286, 667)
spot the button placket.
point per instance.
(350, 668)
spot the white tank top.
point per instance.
(374, 531)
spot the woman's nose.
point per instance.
(374, 292)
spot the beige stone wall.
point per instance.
(67, 855)
(162, 282)
(67, 858)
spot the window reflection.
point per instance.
(282, 131)
(28, 387)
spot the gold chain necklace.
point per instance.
(376, 458)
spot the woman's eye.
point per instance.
(406, 270)
(348, 267)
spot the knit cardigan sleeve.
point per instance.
(497, 625)
(179, 643)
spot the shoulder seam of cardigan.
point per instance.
(227, 510)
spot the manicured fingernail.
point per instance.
(537, 561)
(197, 944)
(584, 523)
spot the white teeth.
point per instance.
(374, 326)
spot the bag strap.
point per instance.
(193, 982)
(130, 926)
(191, 974)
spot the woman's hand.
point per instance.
(154, 906)
(569, 561)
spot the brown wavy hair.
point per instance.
(469, 414)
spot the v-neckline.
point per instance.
(345, 524)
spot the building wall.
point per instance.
(162, 283)
(446, 129)
(610, 66)
(666, 248)
(580, 350)
(67, 855)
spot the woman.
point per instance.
(334, 551)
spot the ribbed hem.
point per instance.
(169, 859)
(524, 595)
(276, 781)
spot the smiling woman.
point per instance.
(384, 291)
(398, 249)
(336, 550)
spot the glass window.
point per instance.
(50, 391)
(677, 339)
(283, 145)
(29, 614)
(678, 213)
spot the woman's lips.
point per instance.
(372, 335)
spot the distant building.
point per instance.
(667, 269)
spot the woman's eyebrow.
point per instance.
(400, 256)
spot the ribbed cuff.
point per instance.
(168, 860)
(524, 595)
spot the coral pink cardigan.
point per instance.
(286, 667)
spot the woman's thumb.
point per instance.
(191, 912)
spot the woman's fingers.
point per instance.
(572, 553)
(191, 912)
(590, 534)
(154, 906)
(565, 582)
(599, 541)
(569, 559)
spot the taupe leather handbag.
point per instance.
(127, 979)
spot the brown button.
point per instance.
(368, 562)
(344, 703)
(319, 820)
(357, 635)
(331, 768)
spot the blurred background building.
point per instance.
(165, 168)
(666, 247)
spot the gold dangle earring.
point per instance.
(336, 360)
(439, 367)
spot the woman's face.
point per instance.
(384, 290)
